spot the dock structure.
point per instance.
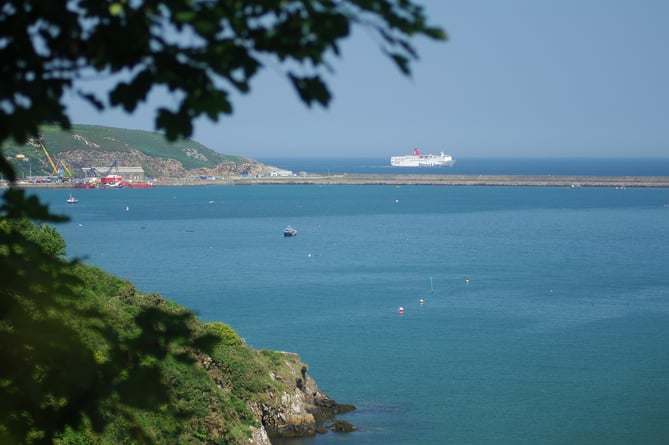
(468, 180)
(406, 179)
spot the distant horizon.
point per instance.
(316, 155)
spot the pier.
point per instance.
(406, 179)
(467, 180)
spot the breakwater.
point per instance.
(468, 180)
(405, 179)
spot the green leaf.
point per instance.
(311, 89)
(402, 63)
(174, 125)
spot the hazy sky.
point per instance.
(516, 78)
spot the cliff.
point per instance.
(160, 166)
(295, 407)
(229, 390)
(300, 410)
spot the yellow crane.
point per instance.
(55, 170)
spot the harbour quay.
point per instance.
(408, 179)
(466, 180)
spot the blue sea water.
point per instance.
(545, 315)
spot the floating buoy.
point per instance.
(400, 310)
(467, 281)
(127, 209)
(397, 200)
(421, 301)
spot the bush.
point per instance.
(229, 336)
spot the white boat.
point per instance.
(417, 159)
(289, 231)
(72, 200)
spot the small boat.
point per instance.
(289, 231)
(72, 200)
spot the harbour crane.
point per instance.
(63, 171)
(109, 170)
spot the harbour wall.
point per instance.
(468, 180)
(405, 179)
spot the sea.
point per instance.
(529, 315)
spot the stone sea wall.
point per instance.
(453, 180)
(470, 180)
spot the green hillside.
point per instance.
(94, 138)
(91, 360)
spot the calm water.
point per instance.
(545, 316)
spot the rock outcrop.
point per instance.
(304, 410)
(159, 167)
(301, 409)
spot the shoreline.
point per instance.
(411, 179)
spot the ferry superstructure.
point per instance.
(420, 160)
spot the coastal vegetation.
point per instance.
(86, 357)
(92, 360)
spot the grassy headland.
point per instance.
(91, 360)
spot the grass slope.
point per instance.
(207, 399)
(108, 139)
(90, 360)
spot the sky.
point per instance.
(516, 78)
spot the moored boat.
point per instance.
(111, 181)
(72, 200)
(417, 159)
(289, 231)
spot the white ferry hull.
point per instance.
(421, 160)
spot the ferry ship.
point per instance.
(420, 160)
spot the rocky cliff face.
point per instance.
(159, 167)
(301, 410)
